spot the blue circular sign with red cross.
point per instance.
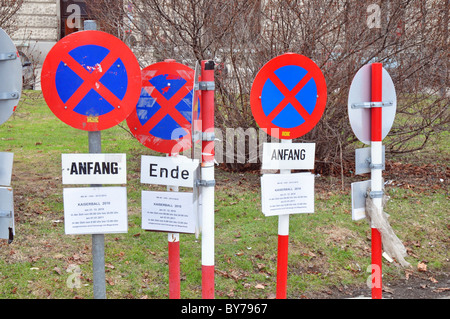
(162, 118)
(91, 80)
(288, 96)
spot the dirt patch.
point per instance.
(417, 285)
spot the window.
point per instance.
(73, 14)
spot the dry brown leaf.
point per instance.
(421, 267)
(441, 289)
(408, 273)
(57, 270)
(432, 279)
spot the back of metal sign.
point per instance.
(359, 191)
(360, 92)
(6, 164)
(10, 77)
(6, 213)
(363, 161)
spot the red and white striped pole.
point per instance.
(376, 175)
(207, 176)
(283, 247)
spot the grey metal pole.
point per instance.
(98, 240)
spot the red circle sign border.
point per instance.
(255, 95)
(137, 129)
(116, 47)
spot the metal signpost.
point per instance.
(288, 98)
(371, 108)
(207, 181)
(162, 121)
(91, 81)
(10, 92)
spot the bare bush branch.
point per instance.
(410, 38)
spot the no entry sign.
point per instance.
(162, 118)
(91, 80)
(288, 96)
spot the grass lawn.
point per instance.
(328, 252)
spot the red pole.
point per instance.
(376, 181)
(282, 266)
(174, 266)
(207, 173)
(173, 240)
(376, 123)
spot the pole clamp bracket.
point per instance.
(204, 183)
(205, 86)
(374, 166)
(368, 105)
(9, 95)
(376, 194)
(204, 136)
(5, 214)
(5, 56)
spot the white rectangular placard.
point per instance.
(288, 155)
(287, 193)
(168, 211)
(94, 168)
(170, 170)
(95, 210)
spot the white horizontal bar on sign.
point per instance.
(170, 170)
(288, 155)
(94, 168)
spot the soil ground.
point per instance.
(422, 285)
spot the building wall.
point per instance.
(36, 31)
(37, 20)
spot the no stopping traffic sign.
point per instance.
(162, 118)
(288, 96)
(91, 80)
